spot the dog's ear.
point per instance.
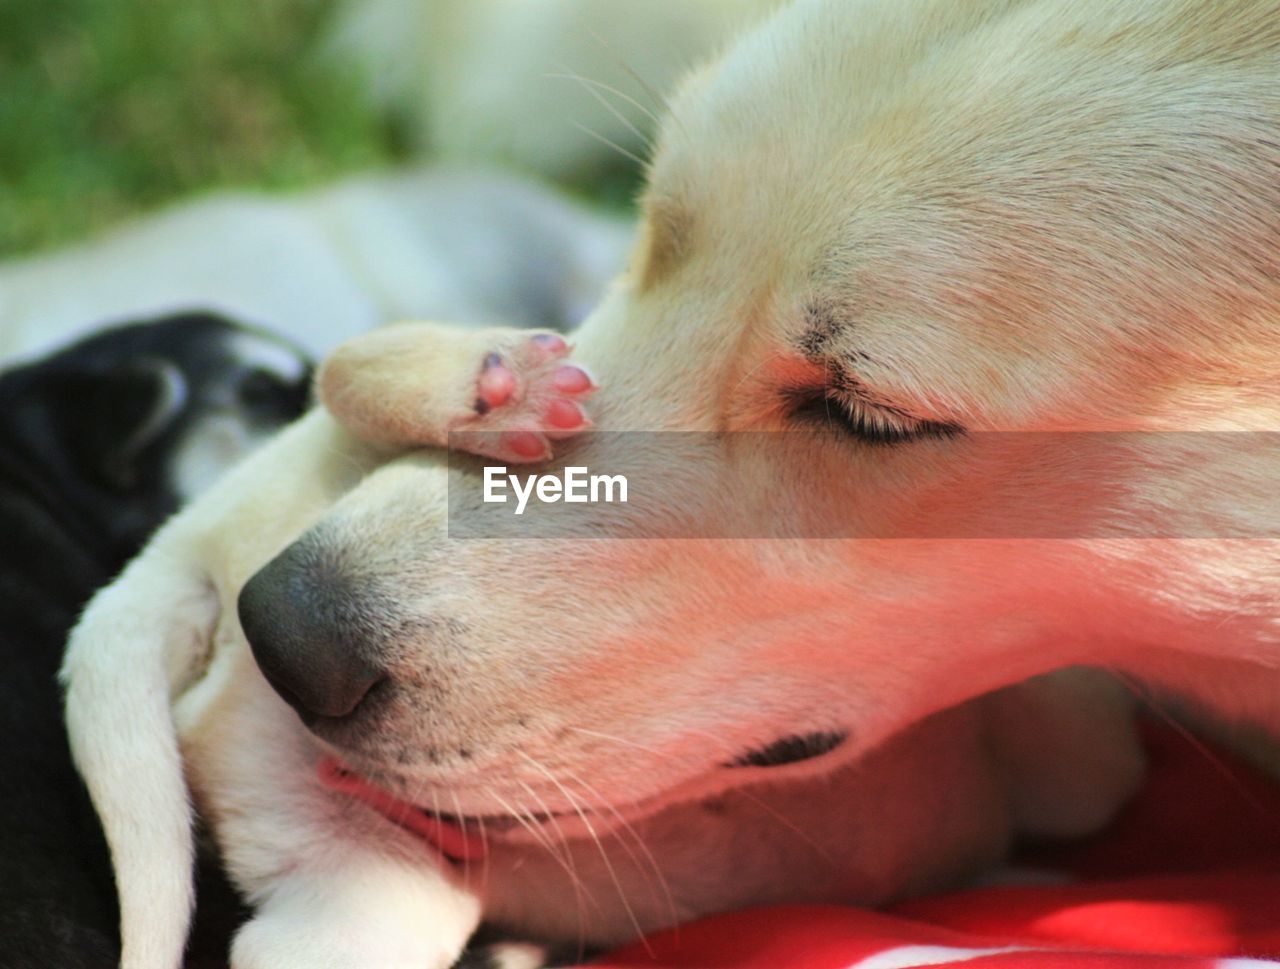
(102, 420)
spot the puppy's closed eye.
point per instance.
(866, 422)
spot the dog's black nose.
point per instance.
(310, 633)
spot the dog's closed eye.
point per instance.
(866, 422)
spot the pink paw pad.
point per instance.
(565, 415)
(496, 385)
(572, 379)
(549, 345)
(526, 445)
(531, 396)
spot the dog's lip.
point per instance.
(456, 837)
(465, 837)
(447, 835)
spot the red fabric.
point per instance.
(1188, 876)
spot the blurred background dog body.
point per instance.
(324, 265)
(892, 225)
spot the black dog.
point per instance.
(98, 444)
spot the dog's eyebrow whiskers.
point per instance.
(610, 143)
(658, 98)
(590, 86)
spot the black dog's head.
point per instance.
(112, 433)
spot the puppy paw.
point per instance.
(498, 393)
(505, 955)
(271, 942)
(358, 924)
(527, 396)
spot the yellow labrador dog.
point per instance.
(1014, 269)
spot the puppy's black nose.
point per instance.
(310, 633)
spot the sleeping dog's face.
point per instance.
(894, 227)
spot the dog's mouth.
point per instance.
(447, 834)
(457, 837)
(465, 837)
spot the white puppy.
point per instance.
(558, 87)
(324, 265)
(345, 873)
(894, 226)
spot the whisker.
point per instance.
(763, 363)
(612, 144)
(763, 805)
(570, 75)
(555, 822)
(462, 823)
(484, 860)
(604, 857)
(648, 88)
(568, 857)
(1144, 696)
(608, 106)
(523, 820)
(660, 877)
(622, 821)
(618, 740)
(787, 823)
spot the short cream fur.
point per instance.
(1038, 215)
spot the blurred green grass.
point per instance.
(110, 107)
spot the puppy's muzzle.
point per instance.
(310, 633)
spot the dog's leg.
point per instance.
(1069, 750)
(335, 885)
(147, 622)
(145, 638)
(499, 393)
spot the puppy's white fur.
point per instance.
(1024, 215)
(557, 87)
(327, 264)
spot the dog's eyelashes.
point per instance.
(868, 423)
